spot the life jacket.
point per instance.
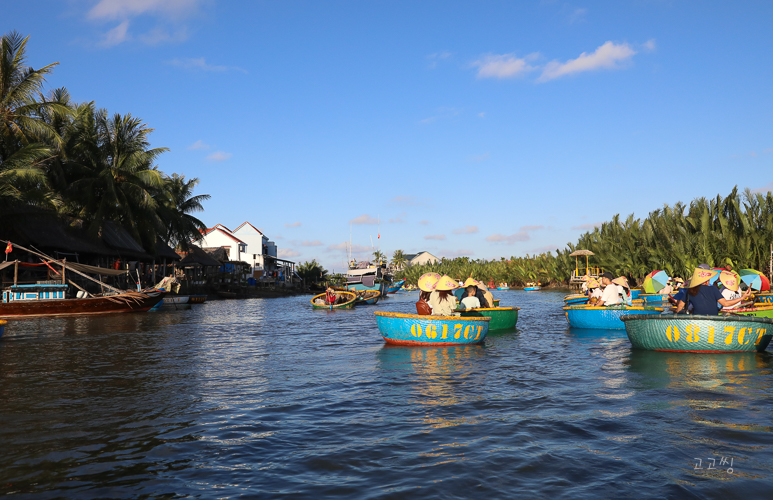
(330, 298)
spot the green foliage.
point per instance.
(312, 272)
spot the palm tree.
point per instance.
(378, 257)
(312, 272)
(398, 260)
(179, 202)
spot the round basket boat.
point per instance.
(696, 333)
(605, 318)
(651, 297)
(351, 299)
(575, 299)
(635, 292)
(531, 289)
(415, 329)
(502, 318)
(764, 297)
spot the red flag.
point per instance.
(379, 236)
(8, 248)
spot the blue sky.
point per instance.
(486, 129)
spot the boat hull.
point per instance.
(575, 299)
(122, 303)
(352, 299)
(414, 329)
(502, 318)
(2, 327)
(605, 318)
(359, 287)
(503, 288)
(652, 297)
(694, 333)
(635, 292)
(531, 289)
(396, 286)
(197, 299)
(764, 298)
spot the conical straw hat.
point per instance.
(701, 276)
(470, 282)
(428, 281)
(730, 280)
(446, 283)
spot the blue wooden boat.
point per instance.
(605, 318)
(652, 297)
(503, 288)
(531, 288)
(396, 286)
(635, 292)
(414, 329)
(575, 299)
(369, 297)
(764, 298)
(696, 333)
(2, 327)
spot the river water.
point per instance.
(266, 398)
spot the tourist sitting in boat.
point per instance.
(612, 294)
(427, 284)
(442, 300)
(484, 296)
(594, 291)
(471, 300)
(330, 296)
(625, 290)
(585, 284)
(668, 289)
(678, 283)
(704, 297)
(730, 288)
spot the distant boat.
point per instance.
(757, 311)
(369, 297)
(698, 333)
(318, 301)
(197, 299)
(531, 289)
(418, 330)
(226, 295)
(396, 286)
(502, 318)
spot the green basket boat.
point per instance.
(696, 333)
(757, 310)
(351, 299)
(502, 318)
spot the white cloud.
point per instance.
(219, 156)
(158, 36)
(435, 237)
(577, 15)
(482, 114)
(198, 145)
(501, 238)
(293, 224)
(587, 227)
(315, 243)
(532, 228)
(452, 254)
(200, 64)
(764, 189)
(437, 57)
(396, 220)
(122, 9)
(466, 230)
(117, 35)
(608, 56)
(649, 45)
(503, 66)
(442, 113)
(364, 219)
(424, 222)
(283, 253)
(354, 248)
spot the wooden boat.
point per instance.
(197, 299)
(119, 303)
(414, 329)
(757, 311)
(605, 318)
(764, 297)
(350, 297)
(2, 327)
(173, 302)
(532, 288)
(696, 333)
(502, 318)
(635, 292)
(396, 286)
(653, 297)
(496, 302)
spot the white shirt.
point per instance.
(728, 294)
(471, 302)
(596, 292)
(611, 295)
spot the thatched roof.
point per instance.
(48, 231)
(197, 257)
(577, 253)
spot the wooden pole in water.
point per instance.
(15, 271)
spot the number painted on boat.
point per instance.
(468, 332)
(692, 333)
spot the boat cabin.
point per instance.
(39, 291)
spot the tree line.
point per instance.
(735, 230)
(80, 161)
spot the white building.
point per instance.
(418, 259)
(248, 244)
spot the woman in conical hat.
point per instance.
(594, 290)
(442, 300)
(704, 297)
(427, 284)
(626, 295)
(730, 284)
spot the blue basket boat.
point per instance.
(605, 318)
(651, 297)
(414, 329)
(764, 298)
(531, 289)
(575, 299)
(696, 333)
